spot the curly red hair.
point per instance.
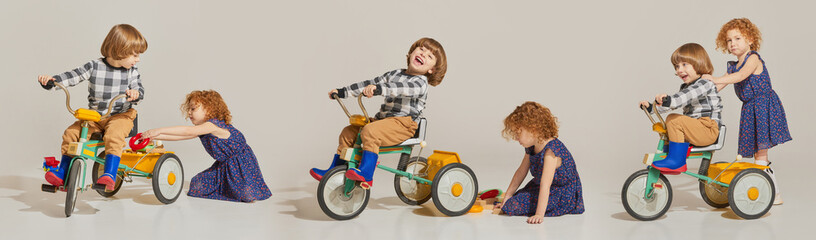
(746, 27)
(532, 117)
(211, 101)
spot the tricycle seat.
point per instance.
(133, 131)
(419, 135)
(717, 145)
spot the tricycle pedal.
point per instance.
(49, 188)
(100, 187)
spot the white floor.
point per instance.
(293, 213)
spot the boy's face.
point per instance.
(737, 43)
(127, 62)
(197, 113)
(686, 72)
(421, 61)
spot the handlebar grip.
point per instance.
(378, 91)
(49, 85)
(341, 93)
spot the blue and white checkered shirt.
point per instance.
(104, 83)
(698, 99)
(404, 94)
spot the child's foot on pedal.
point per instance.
(107, 181)
(53, 179)
(778, 199)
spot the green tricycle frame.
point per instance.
(442, 176)
(153, 162)
(745, 187)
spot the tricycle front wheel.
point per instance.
(637, 204)
(71, 187)
(332, 198)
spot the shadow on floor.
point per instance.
(53, 204)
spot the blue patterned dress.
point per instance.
(235, 175)
(762, 122)
(565, 192)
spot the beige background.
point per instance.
(274, 61)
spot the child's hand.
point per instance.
(43, 79)
(498, 204)
(659, 98)
(644, 104)
(368, 91)
(132, 94)
(536, 219)
(331, 92)
(152, 133)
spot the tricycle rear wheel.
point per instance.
(409, 191)
(751, 193)
(454, 189)
(168, 178)
(713, 194)
(98, 170)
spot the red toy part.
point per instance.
(489, 194)
(51, 162)
(136, 144)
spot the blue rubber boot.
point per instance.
(365, 172)
(55, 177)
(675, 161)
(111, 168)
(318, 173)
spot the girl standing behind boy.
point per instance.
(763, 124)
(235, 175)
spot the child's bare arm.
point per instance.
(749, 68)
(550, 164)
(519, 176)
(185, 132)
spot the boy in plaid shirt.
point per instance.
(113, 74)
(405, 92)
(699, 124)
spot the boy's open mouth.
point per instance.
(419, 60)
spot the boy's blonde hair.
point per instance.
(122, 41)
(532, 117)
(746, 27)
(441, 66)
(695, 55)
(211, 101)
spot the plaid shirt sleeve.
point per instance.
(697, 89)
(357, 88)
(413, 87)
(76, 76)
(135, 82)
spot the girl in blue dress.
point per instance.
(556, 188)
(235, 175)
(762, 121)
